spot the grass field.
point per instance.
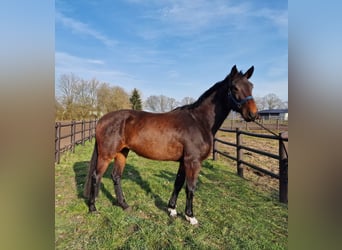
(232, 212)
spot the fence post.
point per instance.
(214, 150)
(87, 130)
(58, 142)
(96, 121)
(239, 152)
(73, 132)
(94, 128)
(83, 132)
(91, 130)
(278, 124)
(283, 171)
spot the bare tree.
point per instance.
(171, 103)
(82, 99)
(59, 110)
(152, 103)
(85, 98)
(68, 87)
(261, 103)
(187, 100)
(285, 104)
(93, 87)
(270, 101)
(160, 103)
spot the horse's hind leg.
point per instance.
(119, 165)
(179, 182)
(96, 177)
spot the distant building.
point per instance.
(281, 114)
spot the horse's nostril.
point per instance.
(252, 115)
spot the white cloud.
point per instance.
(67, 61)
(185, 18)
(197, 15)
(279, 18)
(84, 67)
(87, 68)
(82, 28)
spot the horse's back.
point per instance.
(148, 134)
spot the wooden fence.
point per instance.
(282, 157)
(69, 134)
(273, 124)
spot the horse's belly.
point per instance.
(157, 150)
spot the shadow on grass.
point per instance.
(167, 175)
(212, 173)
(130, 173)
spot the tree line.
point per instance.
(78, 99)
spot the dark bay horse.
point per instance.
(184, 134)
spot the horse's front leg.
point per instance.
(179, 182)
(191, 174)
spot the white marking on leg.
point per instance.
(192, 220)
(173, 212)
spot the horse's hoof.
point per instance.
(192, 220)
(92, 209)
(127, 208)
(172, 211)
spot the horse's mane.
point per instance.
(204, 96)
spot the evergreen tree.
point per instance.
(136, 100)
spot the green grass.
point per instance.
(232, 214)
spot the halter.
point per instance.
(241, 102)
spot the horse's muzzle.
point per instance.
(252, 115)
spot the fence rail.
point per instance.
(282, 157)
(273, 124)
(69, 134)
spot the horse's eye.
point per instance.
(235, 89)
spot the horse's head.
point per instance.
(240, 93)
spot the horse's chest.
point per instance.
(200, 145)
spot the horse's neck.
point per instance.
(212, 114)
(219, 119)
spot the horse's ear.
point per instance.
(249, 72)
(234, 71)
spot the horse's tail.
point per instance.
(92, 167)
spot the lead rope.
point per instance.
(270, 131)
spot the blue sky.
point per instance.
(173, 47)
